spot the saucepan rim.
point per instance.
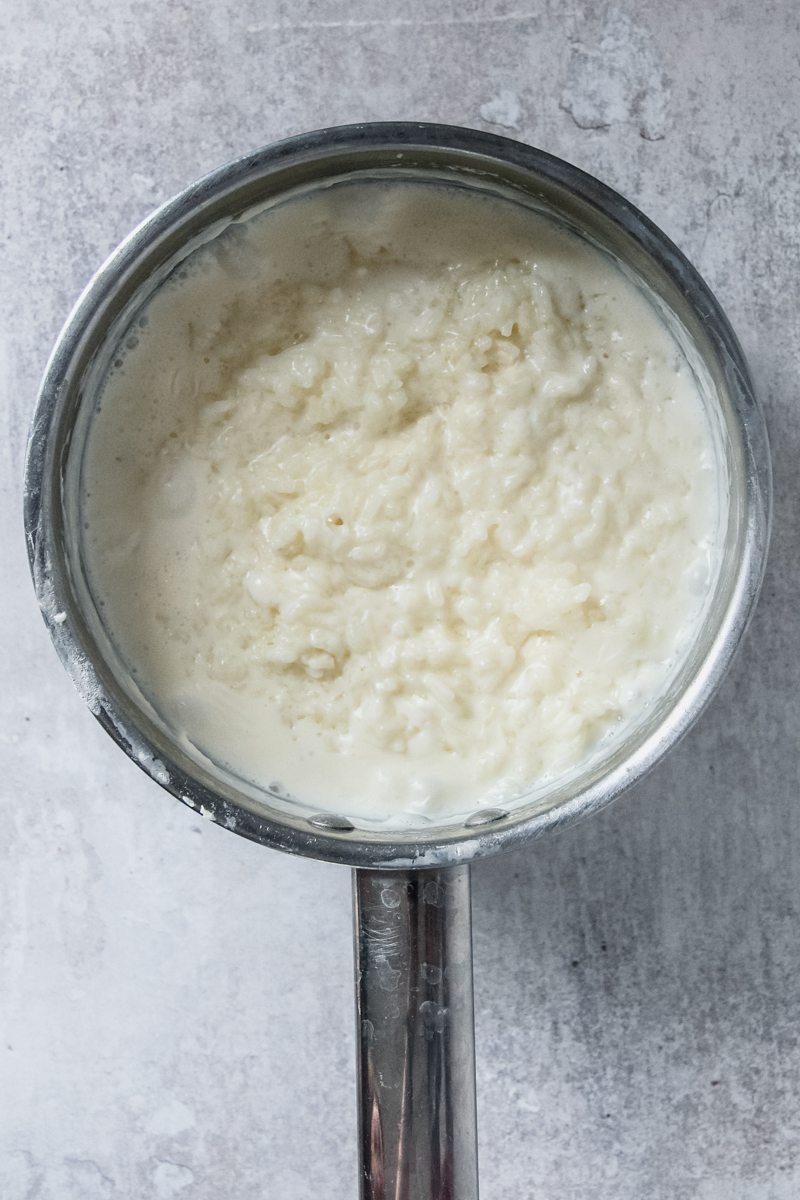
(406, 145)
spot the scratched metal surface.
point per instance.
(175, 1004)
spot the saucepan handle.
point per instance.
(415, 1034)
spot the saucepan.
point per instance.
(416, 1056)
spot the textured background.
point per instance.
(175, 1004)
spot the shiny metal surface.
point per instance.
(416, 1045)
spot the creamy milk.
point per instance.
(402, 498)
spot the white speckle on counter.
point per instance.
(615, 75)
(170, 1179)
(170, 1118)
(504, 110)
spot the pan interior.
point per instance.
(174, 755)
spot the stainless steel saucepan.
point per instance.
(416, 1072)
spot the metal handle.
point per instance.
(415, 1035)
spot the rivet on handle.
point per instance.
(485, 816)
(331, 821)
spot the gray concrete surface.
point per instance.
(175, 1007)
